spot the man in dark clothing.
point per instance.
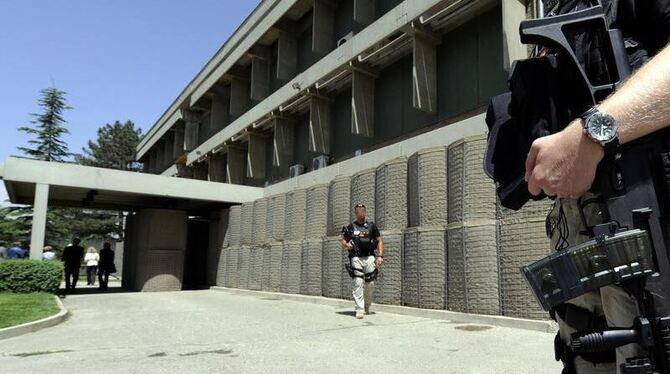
(105, 265)
(362, 240)
(16, 251)
(72, 256)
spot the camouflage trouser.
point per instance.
(618, 307)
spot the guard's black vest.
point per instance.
(363, 237)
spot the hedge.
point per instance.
(25, 276)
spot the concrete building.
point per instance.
(309, 107)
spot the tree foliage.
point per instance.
(114, 148)
(49, 128)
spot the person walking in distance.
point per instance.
(92, 257)
(361, 238)
(72, 256)
(105, 265)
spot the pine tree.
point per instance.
(114, 148)
(49, 128)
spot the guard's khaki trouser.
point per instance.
(363, 291)
(618, 307)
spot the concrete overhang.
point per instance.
(73, 185)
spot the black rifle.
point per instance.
(630, 249)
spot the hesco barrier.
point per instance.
(276, 252)
(472, 269)
(331, 281)
(291, 266)
(427, 187)
(246, 223)
(259, 223)
(472, 194)
(391, 195)
(424, 266)
(222, 269)
(276, 217)
(363, 191)
(339, 204)
(388, 287)
(296, 205)
(256, 267)
(265, 268)
(311, 267)
(232, 267)
(522, 241)
(244, 267)
(317, 212)
(233, 231)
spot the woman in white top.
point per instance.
(92, 257)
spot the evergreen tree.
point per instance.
(49, 127)
(114, 148)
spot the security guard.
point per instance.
(564, 165)
(361, 238)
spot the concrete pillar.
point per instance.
(201, 171)
(160, 156)
(191, 129)
(513, 12)
(323, 27)
(178, 143)
(235, 165)
(319, 125)
(159, 246)
(185, 171)
(40, 207)
(362, 104)
(424, 74)
(282, 145)
(219, 116)
(287, 55)
(217, 168)
(168, 158)
(260, 72)
(256, 157)
(153, 160)
(239, 96)
(364, 12)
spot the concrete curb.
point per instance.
(61, 316)
(500, 321)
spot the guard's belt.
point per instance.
(358, 273)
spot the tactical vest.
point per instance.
(362, 236)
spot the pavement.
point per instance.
(221, 332)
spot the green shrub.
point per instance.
(25, 276)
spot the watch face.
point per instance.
(601, 127)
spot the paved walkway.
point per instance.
(211, 331)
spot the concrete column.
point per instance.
(153, 159)
(160, 156)
(185, 171)
(178, 144)
(513, 12)
(237, 159)
(201, 171)
(287, 55)
(424, 74)
(191, 129)
(319, 125)
(219, 116)
(239, 96)
(364, 12)
(217, 168)
(323, 27)
(260, 72)
(168, 158)
(40, 208)
(256, 157)
(282, 145)
(362, 104)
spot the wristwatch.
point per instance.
(602, 128)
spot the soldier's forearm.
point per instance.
(642, 105)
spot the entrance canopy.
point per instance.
(97, 188)
(41, 184)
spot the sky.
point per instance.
(116, 59)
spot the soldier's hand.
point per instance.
(379, 261)
(563, 164)
(350, 247)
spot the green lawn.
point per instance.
(17, 308)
